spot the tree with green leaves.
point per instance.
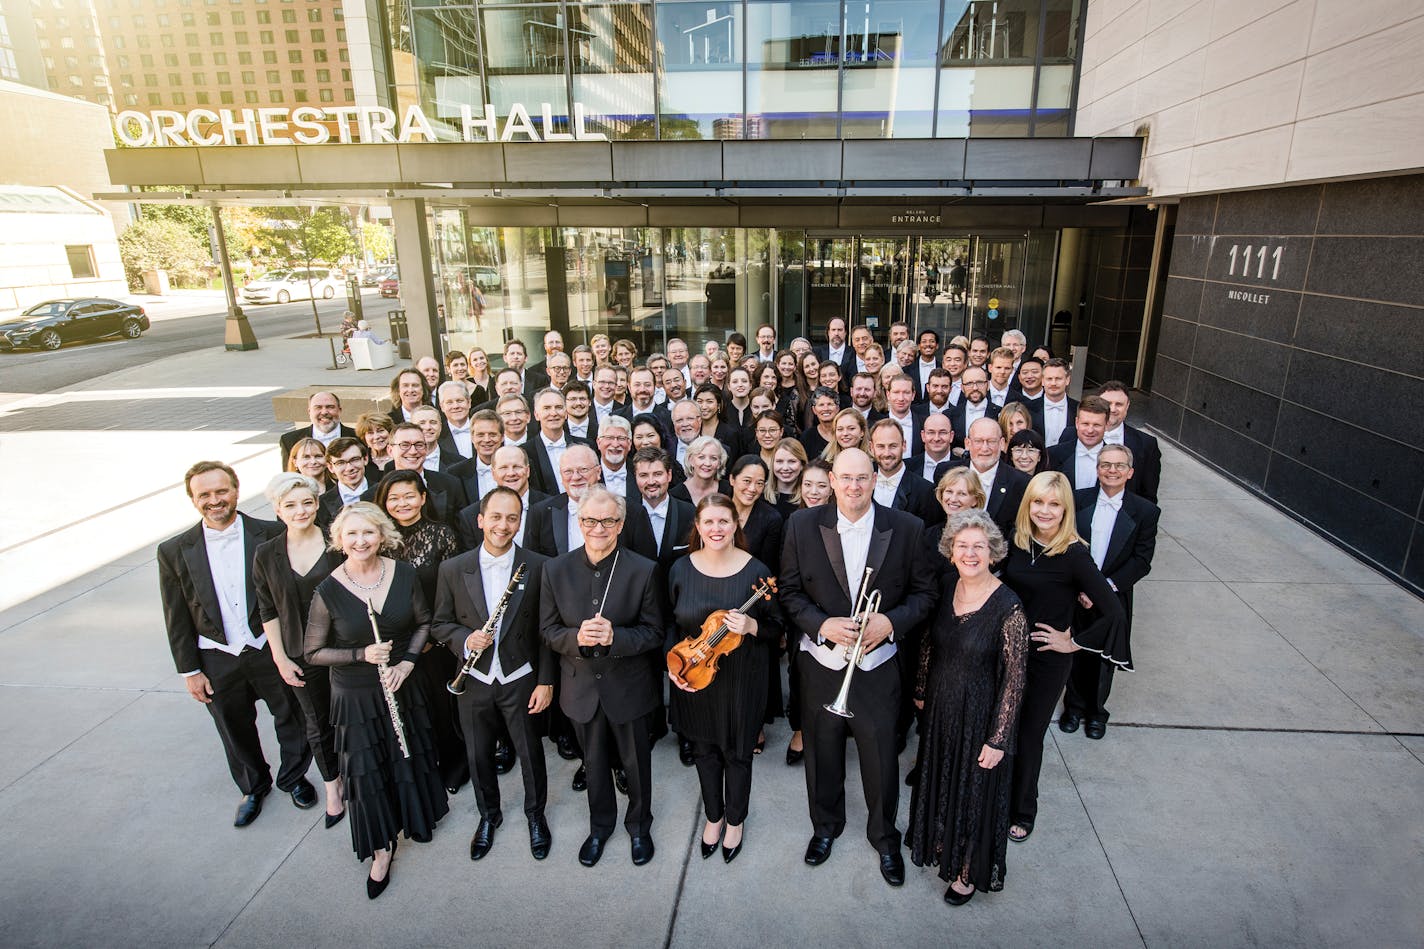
(164, 244)
(312, 236)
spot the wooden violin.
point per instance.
(695, 660)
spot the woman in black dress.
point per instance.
(1027, 453)
(386, 792)
(285, 573)
(761, 525)
(816, 436)
(1050, 568)
(784, 488)
(425, 544)
(723, 719)
(970, 683)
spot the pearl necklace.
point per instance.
(361, 586)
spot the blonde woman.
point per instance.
(1014, 418)
(849, 431)
(374, 428)
(1052, 572)
(308, 457)
(704, 466)
(783, 489)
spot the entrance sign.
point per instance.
(347, 125)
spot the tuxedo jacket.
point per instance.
(330, 503)
(1035, 411)
(1146, 461)
(444, 496)
(289, 439)
(1003, 502)
(450, 454)
(916, 464)
(814, 584)
(190, 599)
(541, 468)
(547, 530)
(594, 676)
(915, 495)
(460, 609)
(917, 422)
(914, 373)
(467, 472)
(960, 412)
(467, 523)
(638, 533)
(1063, 457)
(1133, 541)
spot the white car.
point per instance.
(281, 286)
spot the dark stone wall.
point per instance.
(1301, 372)
(1118, 269)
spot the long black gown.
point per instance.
(386, 793)
(763, 534)
(971, 676)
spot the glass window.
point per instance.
(889, 76)
(447, 63)
(986, 76)
(793, 64)
(525, 61)
(700, 79)
(611, 50)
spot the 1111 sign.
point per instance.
(1262, 253)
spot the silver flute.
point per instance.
(390, 692)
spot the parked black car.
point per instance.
(53, 323)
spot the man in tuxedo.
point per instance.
(899, 333)
(686, 426)
(927, 363)
(215, 634)
(1029, 379)
(602, 606)
(674, 391)
(513, 679)
(429, 369)
(1003, 484)
(1078, 457)
(862, 340)
(937, 436)
(836, 351)
(579, 421)
(642, 392)
(548, 443)
(937, 391)
(1147, 454)
(1053, 413)
(559, 369)
(1015, 342)
(615, 441)
(515, 357)
(324, 411)
(346, 460)
(975, 404)
(553, 343)
(677, 362)
(862, 393)
(443, 495)
(896, 486)
(766, 343)
(553, 523)
(979, 352)
(513, 412)
(1001, 376)
(954, 361)
(657, 525)
(583, 364)
(900, 400)
(826, 554)
(440, 453)
(511, 470)
(1120, 530)
(476, 474)
(456, 442)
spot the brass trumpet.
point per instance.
(866, 603)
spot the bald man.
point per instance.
(827, 554)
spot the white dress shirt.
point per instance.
(555, 451)
(972, 414)
(907, 429)
(925, 369)
(432, 459)
(1113, 436)
(931, 463)
(228, 563)
(956, 392)
(578, 429)
(523, 521)
(1085, 466)
(986, 479)
(658, 517)
(855, 549)
(484, 478)
(327, 437)
(351, 495)
(885, 488)
(616, 481)
(575, 531)
(1055, 419)
(603, 411)
(1104, 518)
(998, 397)
(835, 355)
(495, 573)
(461, 437)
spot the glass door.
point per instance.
(829, 268)
(995, 288)
(937, 291)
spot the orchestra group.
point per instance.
(606, 549)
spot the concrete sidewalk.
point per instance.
(1259, 784)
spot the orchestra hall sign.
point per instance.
(348, 125)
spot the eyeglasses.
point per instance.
(1024, 450)
(409, 446)
(607, 523)
(970, 548)
(349, 462)
(855, 479)
(1113, 465)
(586, 469)
(985, 442)
(970, 382)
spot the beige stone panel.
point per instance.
(1124, 29)
(1171, 85)
(1119, 72)
(1115, 114)
(1228, 16)
(1339, 22)
(1386, 136)
(1257, 103)
(1174, 129)
(1169, 173)
(1274, 40)
(1185, 33)
(1374, 68)
(1246, 161)
(1087, 83)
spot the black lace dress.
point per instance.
(971, 676)
(386, 793)
(425, 545)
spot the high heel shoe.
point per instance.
(709, 849)
(375, 888)
(955, 898)
(730, 853)
(333, 819)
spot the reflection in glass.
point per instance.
(793, 62)
(990, 31)
(448, 62)
(888, 86)
(612, 48)
(700, 79)
(525, 62)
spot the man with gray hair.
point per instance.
(554, 524)
(324, 411)
(615, 441)
(455, 406)
(686, 426)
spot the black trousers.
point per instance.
(314, 699)
(605, 742)
(238, 682)
(492, 711)
(1089, 684)
(726, 782)
(1047, 674)
(793, 686)
(875, 702)
(435, 667)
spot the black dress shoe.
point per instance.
(730, 853)
(539, 838)
(248, 810)
(303, 794)
(684, 752)
(642, 850)
(1095, 728)
(793, 757)
(707, 849)
(375, 889)
(620, 780)
(580, 782)
(565, 746)
(503, 758)
(483, 840)
(591, 850)
(1069, 721)
(955, 898)
(892, 868)
(819, 850)
(333, 819)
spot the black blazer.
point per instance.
(915, 496)
(289, 439)
(1002, 504)
(330, 505)
(1063, 457)
(1146, 461)
(190, 601)
(763, 531)
(958, 414)
(594, 676)
(1133, 541)
(814, 585)
(917, 422)
(638, 533)
(460, 609)
(277, 589)
(914, 373)
(467, 524)
(1035, 411)
(548, 528)
(541, 469)
(467, 472)
(444, 496)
